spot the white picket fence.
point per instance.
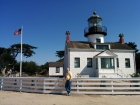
(79, 85)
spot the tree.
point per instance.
(137, 57)
(5, 60)
(30, 67)
(8, 55)
(15, 49)
(60, 54)
(133, 45)
(3, 51)
(44, 69)
(60, 60)
(45, 66)
(138, 62)
(27, 50)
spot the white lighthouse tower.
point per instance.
(95, 32)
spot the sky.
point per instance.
(46, 21)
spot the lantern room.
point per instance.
(95, 20)
(95, 26)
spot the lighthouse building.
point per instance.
(97, 58)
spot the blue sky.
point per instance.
(46, 21)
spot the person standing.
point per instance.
(68, 81)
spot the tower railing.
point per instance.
(95, 30)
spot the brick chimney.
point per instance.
(68, 36)
(121, 38)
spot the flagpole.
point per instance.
(21, 52)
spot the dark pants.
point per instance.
(68, 86)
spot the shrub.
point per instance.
(135, 75)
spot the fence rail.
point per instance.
(79, 85)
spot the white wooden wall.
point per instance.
(52, 71)
(83, 70)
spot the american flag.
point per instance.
(17, 32)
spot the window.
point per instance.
(127, 62)
(77, 62)
(57, 69)
(98, 40)
(99, 24)
(107, 63)
(89, 62)
(104, 47)
(117, 62)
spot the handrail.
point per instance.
(121, 72)
(93, 29)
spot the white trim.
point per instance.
(108, 51)
(81, 49)
(134, 62)
(94, 49)
(118, 50)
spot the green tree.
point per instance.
(29, 67)
(60, 54)
(3, 51)
(138, 62)
(27, 50)
(8, 55)
(60, 60)
(45, 66)
(137, 54)
(5, 58)
(44, 69)
(133, 45)
(15, 49)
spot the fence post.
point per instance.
(20, 85)
(33, 84)
(15, 83)
(44, 87)
(112, 86)
(1, 84)
(77, 86)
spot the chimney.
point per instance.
(68, 36)
(121, 38)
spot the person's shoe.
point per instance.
(69, 94)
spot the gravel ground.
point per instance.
(17, 98)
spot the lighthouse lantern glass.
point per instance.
(93, 21)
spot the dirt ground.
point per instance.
(17, 98)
